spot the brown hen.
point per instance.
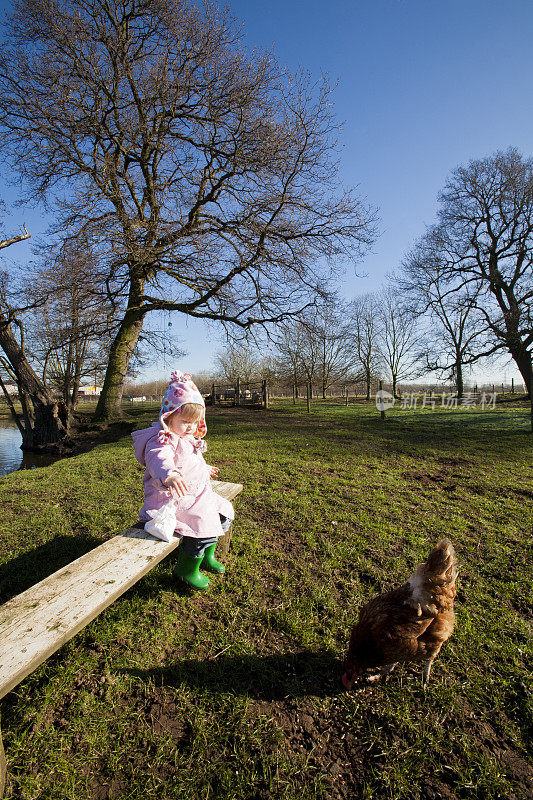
(410, 623)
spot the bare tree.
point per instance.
(237, 361)
(486, 224)
(310, 351)
(44, 421)
(331, 334)
(399, 340)
(365, 331)
(203, 178)
(454, 336)
(267, 368)
(315, 347)
(288, 348)
(69, 330)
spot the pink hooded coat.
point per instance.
(164, 453)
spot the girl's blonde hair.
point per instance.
(190, 412)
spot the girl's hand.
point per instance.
(176, 485)
(213, 471)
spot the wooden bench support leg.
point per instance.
(2, 767)
(225, 540)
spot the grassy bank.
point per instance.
(235, 693)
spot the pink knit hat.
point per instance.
(182, 390)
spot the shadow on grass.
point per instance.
(263, 677)
(441, 429)
(29, 568)
(88, 435)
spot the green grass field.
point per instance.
(235, 693)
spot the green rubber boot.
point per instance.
(188, 569)
(210, 563)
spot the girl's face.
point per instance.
(180, 426)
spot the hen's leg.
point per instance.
(427, 670)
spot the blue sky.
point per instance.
(423, 85)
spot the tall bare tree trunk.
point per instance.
(523, 362)
(48, 423)
(74, 395)
(324, 382)
(110, 401)
(522, 359)
(459, 383)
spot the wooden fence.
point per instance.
(252, 394)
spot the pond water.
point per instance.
(11, 456)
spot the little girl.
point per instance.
(177, 488)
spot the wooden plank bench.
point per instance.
(35, 624)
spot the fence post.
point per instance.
(237, 392)
(308, 390)
(213, 393)
(265, 393)
(294, 394)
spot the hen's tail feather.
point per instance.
(441, 562)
